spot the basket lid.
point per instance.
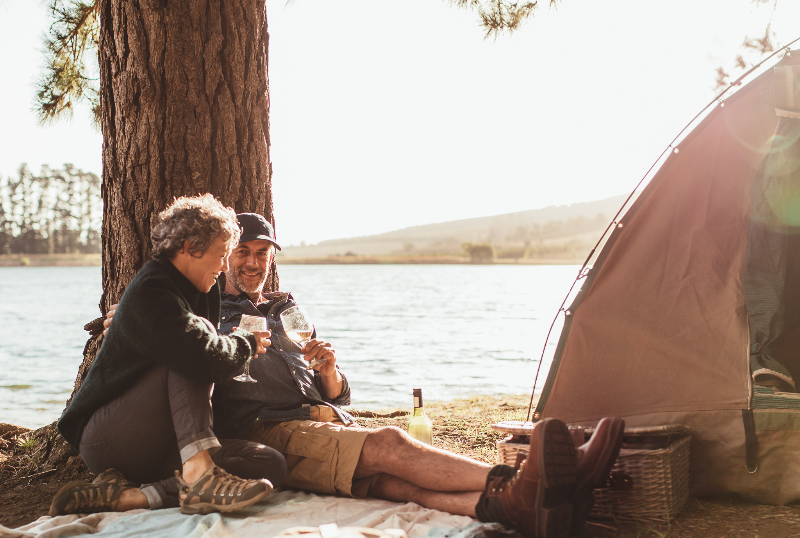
(518, 427)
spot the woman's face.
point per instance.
(202, 270)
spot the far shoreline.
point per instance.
(95, 260)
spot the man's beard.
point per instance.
(235, 278)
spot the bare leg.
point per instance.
(194, 467)
(392, 451)
(396, 489)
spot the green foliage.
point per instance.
(58, 211)
(73, 34)
(28, 443)
(479, 252)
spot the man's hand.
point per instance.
(109, 318)
(316, 349)
(262, 340)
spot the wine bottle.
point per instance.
(420, 426)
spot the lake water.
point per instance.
(453, 330)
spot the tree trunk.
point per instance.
(185, 111)
(184, 98)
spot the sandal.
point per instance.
(219, 491)
(80, 497)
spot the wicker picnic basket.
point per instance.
(655, 459)
(519, 439)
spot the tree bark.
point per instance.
(185, 111)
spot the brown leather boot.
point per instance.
(595, 459)
(535, 500)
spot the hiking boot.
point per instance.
(595, 459)
(218, 491)
(536, 499)
(113, 476)
(80, 497)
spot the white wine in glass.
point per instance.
(298, 328)
(251, 324)
(299, 337)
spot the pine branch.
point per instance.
(73, 34)
(757, 48)
(498, 16)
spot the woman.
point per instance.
(144, 409)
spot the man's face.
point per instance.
(249, 266)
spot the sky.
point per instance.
(387, 114)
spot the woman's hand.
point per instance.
(109, 317)
(262, 340)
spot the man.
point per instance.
(297, 412)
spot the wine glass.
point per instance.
(298, 328)
(252, 324)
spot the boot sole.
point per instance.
(208, 508)
(558, 472)
(583, 501)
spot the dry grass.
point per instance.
(464, 426)
(27, 481)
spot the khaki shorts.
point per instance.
(321, 456)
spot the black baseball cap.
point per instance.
(254, 227)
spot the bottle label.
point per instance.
(416, 401)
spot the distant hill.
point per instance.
(554, 231)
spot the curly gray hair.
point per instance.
(197, 219)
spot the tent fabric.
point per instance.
(774, 217)
(659, 332)
(662, 324)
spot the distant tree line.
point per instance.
(552, 229)
(56, 211)
(508, 239)
(571, 238)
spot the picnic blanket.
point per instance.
(280, 511)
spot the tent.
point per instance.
(690, 312)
